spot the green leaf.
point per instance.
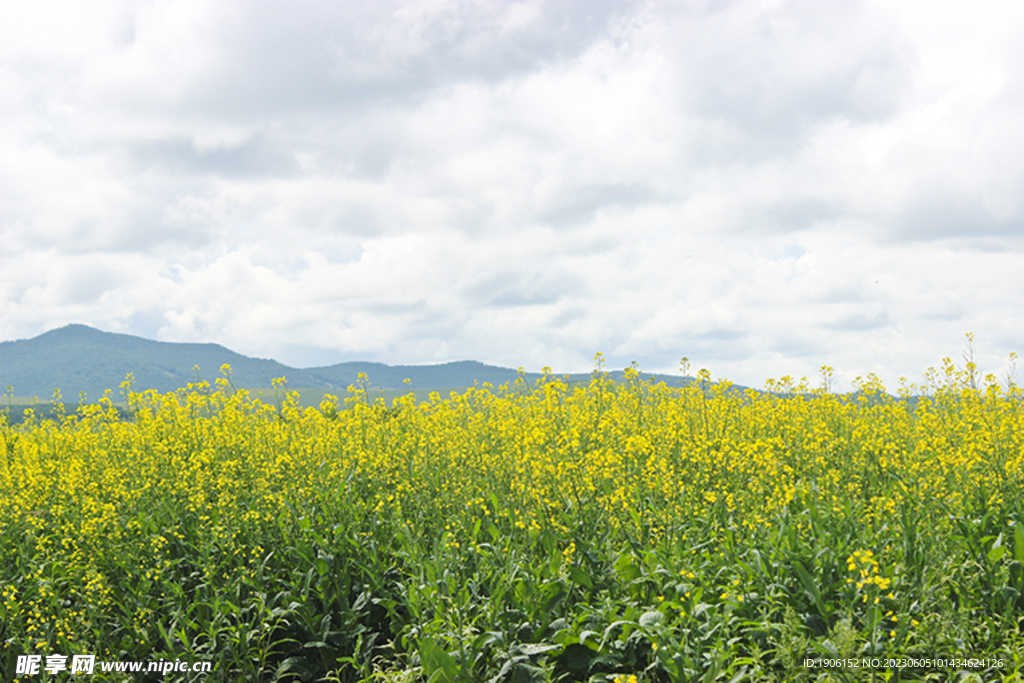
(610, 630)
(812, 588)
(712, 671)
(592, 636)
(321, 566)
(488, 639)
(551, 594)
(872, 618)
(580, 577)
(577, 657)
(1018, 543)
(555, 561)
(439, 666)
(996, 553)
(625, 568)
(1017, 574)
(651, 619)
(524, 673)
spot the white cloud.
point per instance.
(764, 187)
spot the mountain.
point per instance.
(79, 358)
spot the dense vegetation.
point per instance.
(617, 531)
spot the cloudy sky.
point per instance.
(763, 186)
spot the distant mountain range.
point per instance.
(80, 359)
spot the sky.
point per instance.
(761, 186)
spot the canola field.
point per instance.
(612, 532)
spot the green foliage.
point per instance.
(605, 533)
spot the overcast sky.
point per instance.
(762, 186)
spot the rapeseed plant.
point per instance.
(518, 532)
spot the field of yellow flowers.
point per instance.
(607, 532)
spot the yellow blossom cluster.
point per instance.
(213, 477)
(864, 563)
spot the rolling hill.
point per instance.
(80, 359)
